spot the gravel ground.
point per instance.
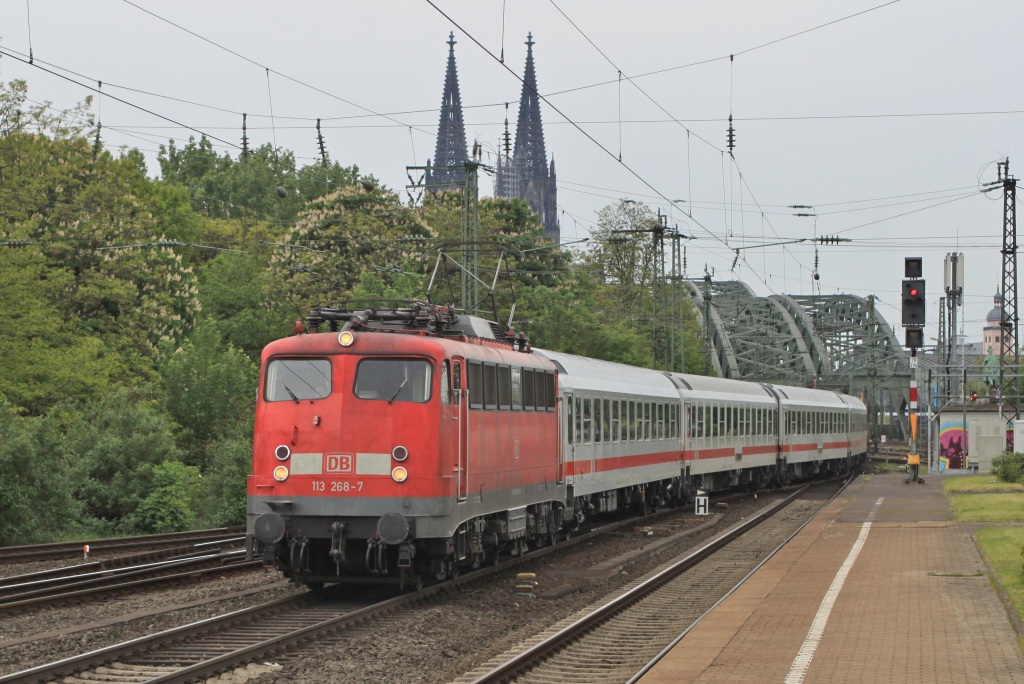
(441, 642)
(436, 643)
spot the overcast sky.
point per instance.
(886, 117)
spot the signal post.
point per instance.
(914, 308)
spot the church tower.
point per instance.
(451, 134)
(526, 174)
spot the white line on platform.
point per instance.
(803, 659)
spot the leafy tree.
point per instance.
(265, 185)
(230, 466)
(170, 506)
(338, 238)
(113, 443)
(208, 388)
(35, 502)
(233, 290)
(93, 223)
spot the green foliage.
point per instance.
(36, 498)
(265, 185)
(1009, 467)
(113, 442)
(341, 236)
(208, 388)
(233, 291)
(170, 505)
(230, 465)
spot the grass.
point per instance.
(1002, 546)
(997, 507)
(979, 483)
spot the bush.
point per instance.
(170, 506)
(1009, 467)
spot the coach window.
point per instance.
(297, 379)
(661, 421)
(606, 423)
(504, 387)
(570, 420)
(615, 420)
(476, 385)
(517, 388)
(597, 421)
(446, 390)
(587, 420)
(579, 420)
(393, 380)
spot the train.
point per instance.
(410, 443)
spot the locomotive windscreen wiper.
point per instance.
(398, 390)
(290, 393)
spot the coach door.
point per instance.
(460, 395)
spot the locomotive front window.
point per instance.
(393, 380)
(297, 379)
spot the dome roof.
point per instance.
(996, 314)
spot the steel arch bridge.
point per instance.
(837, 342)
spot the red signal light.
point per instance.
(913, 292)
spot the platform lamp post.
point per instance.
(914, 307)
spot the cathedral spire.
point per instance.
(527, 175)
(451, 133)
(530, 156)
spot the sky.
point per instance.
(885, 118)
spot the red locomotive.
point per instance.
(412, 442)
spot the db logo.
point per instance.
(338, 463)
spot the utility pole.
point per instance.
(1009, 404)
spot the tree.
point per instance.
(264, 185)
(338, 238)
(113, 443)
(208, 388)
(93, 223)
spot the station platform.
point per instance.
(882, 586)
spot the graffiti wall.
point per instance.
(953, 441)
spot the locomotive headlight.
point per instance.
(281, 473)
(399, 474)
(346, 338)
(399, 453)
(282, 452)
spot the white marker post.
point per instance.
(700, 504)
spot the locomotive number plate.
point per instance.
(338, 486)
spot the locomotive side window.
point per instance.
(517, 388)
(297, 379)
(529, 378)
(504, 387)
(490, 387)
(446, 390)
(476, 385)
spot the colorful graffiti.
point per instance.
(953, 442)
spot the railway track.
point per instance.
(35, 552)
(27, 592)
(615, 641)
(276, 631)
